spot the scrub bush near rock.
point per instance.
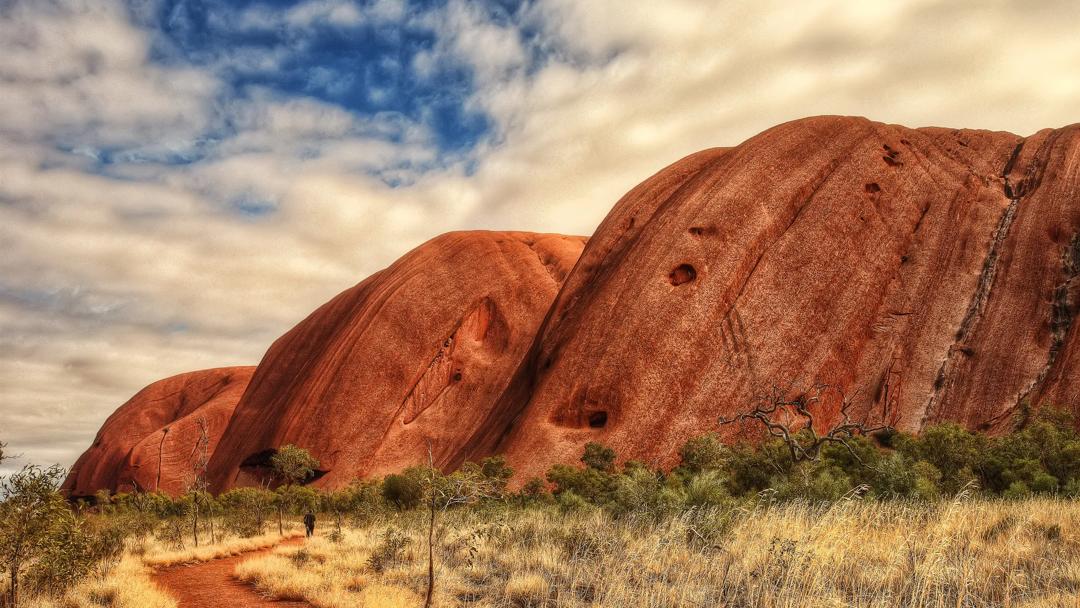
(948, 517)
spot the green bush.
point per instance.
(642, 491)
(703, 453)
(404, 491)
(42, 541)
(71, 551)
(246, 510)
(599, 457)
(591, 484)
(707, 490)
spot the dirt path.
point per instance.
(212, 584)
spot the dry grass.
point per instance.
(854, 553)
(156, 554)
(127, 585)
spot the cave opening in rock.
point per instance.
(259, 459)
(597, 420)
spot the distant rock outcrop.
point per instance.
(417, 352)
(152, 441)
(930, 274)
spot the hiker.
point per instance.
(309, 523)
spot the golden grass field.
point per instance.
(853, 553)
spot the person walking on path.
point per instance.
(309, 523)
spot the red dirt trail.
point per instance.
(212, 584)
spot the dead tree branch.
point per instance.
(790, 416)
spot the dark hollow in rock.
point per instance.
(683, 273)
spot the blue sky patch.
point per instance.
(361, 64)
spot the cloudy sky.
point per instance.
(183, 180)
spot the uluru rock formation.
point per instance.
(154, 441)
(929, 274)
(418, 352)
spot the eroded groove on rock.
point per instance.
(1062, 313)
(444, 371)
(982, 289)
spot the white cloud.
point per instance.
(81, 71)
(108, 282)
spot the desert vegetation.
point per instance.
(967, 552)
(948, 517)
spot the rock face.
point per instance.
(930, 274)
(152, 441)
(418, 352)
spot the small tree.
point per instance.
(30, 508)
(291, 465)
(197, 486)
(469, 485)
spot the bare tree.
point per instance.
(787, 414)
(467, 486)
(200, 459)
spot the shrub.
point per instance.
(642, 491)
(535, 489)
(496, 473)
(1016, 490)
(71, 551)
(927, 481)
(403, 491)
(815, 482)
(752, 468)
(599, 457)
(591, 484)
(894, 477)
(389, 551)
(246, 510)
(703, 453)
(955, 452)
(707, 490)
(569, 501)
(32, 516)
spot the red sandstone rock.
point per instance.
(417, 352)
(932, 274)
(934, 271)
(149, 442)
